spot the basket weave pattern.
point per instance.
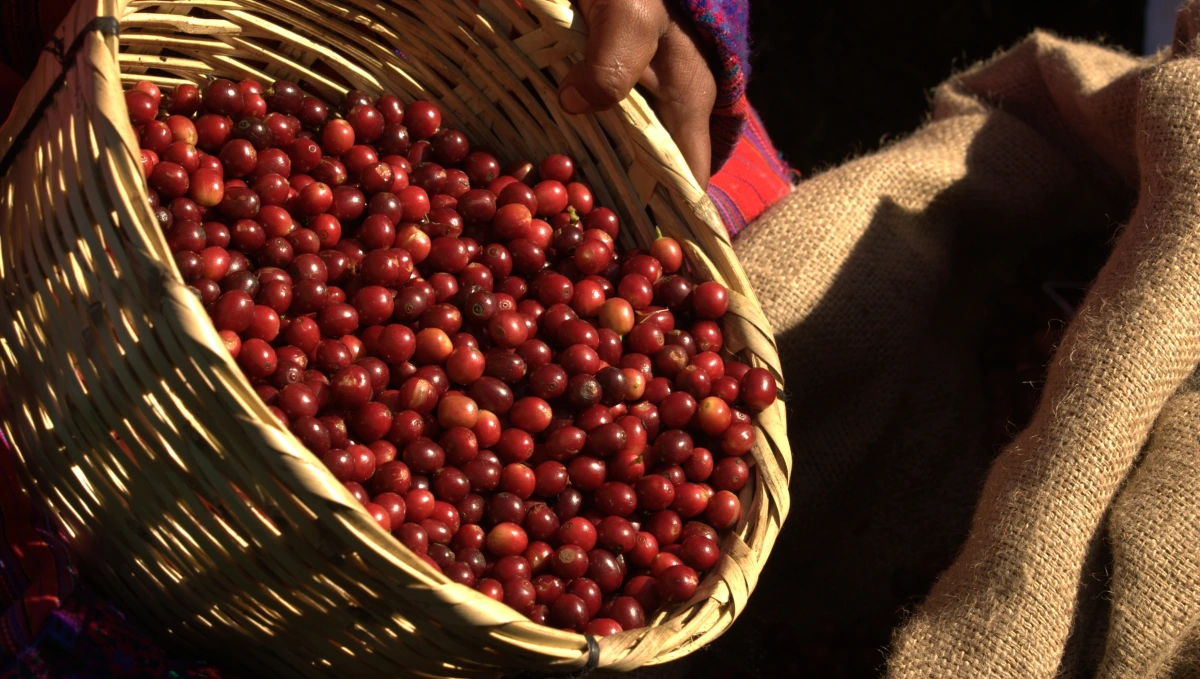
(187, 501)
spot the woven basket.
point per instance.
(189, 504)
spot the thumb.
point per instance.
(623, 38)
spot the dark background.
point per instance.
(831, 79)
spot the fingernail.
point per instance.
(572, 101)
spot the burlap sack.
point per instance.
(1078, 547)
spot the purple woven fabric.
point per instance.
(723, 26)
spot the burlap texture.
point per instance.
(1078, 547)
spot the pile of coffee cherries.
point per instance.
(537, 414)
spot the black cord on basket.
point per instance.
(106, 25)
(593, 661)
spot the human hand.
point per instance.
(642, 42)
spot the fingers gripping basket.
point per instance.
(188, 503)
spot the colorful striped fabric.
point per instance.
(752, 180)
(51, 627)
(36, 569)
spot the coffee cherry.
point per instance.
(730, 473)
(724, 510)
(183, 100)
(169, 179)
(677, 583)
(758, 388)
(616, 499)
(557, 167)
(569, 561)
(569, 612)
(507, 539)
(738, 439)
(579, 532)
(337, 137)
(223, 97)
(714, 416)
(423, 119)
(257, 358)
(710, 300)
